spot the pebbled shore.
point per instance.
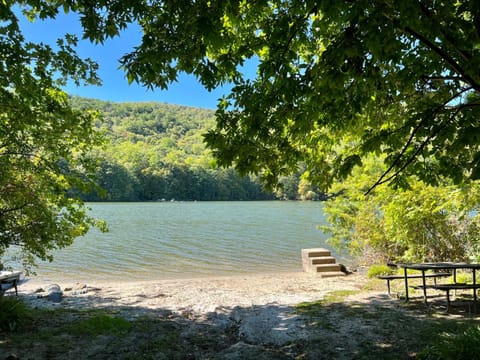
(197, 295)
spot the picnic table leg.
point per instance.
(448, 300)
(474, 291)
(406, 284)
(424, 288)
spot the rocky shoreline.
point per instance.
(198, 295)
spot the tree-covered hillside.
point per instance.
(155, 151)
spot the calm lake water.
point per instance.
(188, 239)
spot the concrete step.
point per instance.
(331, 274)
(327, 267)
(315, 252)
(322, 260)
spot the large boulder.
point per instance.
(54, 293)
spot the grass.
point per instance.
(102, 324)
(83, 334)
(386, 332)
(13, 314)
(455, 346)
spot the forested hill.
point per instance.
(156, 152)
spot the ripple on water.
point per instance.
(192, 238)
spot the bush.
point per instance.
(13, 313)
(462, 346)
(379, 269)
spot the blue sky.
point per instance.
(187, 91)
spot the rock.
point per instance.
(93, 288)
(39, 290)
(78, 292)
(344, 269)
(79, 286)
(55, 293)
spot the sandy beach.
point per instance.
(197, 295)
(226, 317)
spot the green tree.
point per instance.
(403, 225)
(44, 144)
(350, 67)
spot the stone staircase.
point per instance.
(320, 261)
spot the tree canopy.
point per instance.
(397, 77)
(44, 143)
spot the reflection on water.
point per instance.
(186, 239)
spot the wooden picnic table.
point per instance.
(9, 279)
(443, 266)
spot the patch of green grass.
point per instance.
(385, 332)
(310, 308)
(454, 346)
(374, 284)
(314, 308)
(339, 295)
(160, 340)
(101, 325)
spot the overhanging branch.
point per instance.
(383, 179)
(465, 77)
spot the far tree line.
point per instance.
(155, 152)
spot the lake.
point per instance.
(189, 239)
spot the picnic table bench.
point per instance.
(448, 287)
(448, 266)
(8, 280)
(389, 278)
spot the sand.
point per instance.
(196, 295)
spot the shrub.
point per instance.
(13, 313)
(379, 269)
(454, 346)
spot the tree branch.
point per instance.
(6, 211)
(453, 42)
(382, 179)
(414, 155)
(467, 78)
